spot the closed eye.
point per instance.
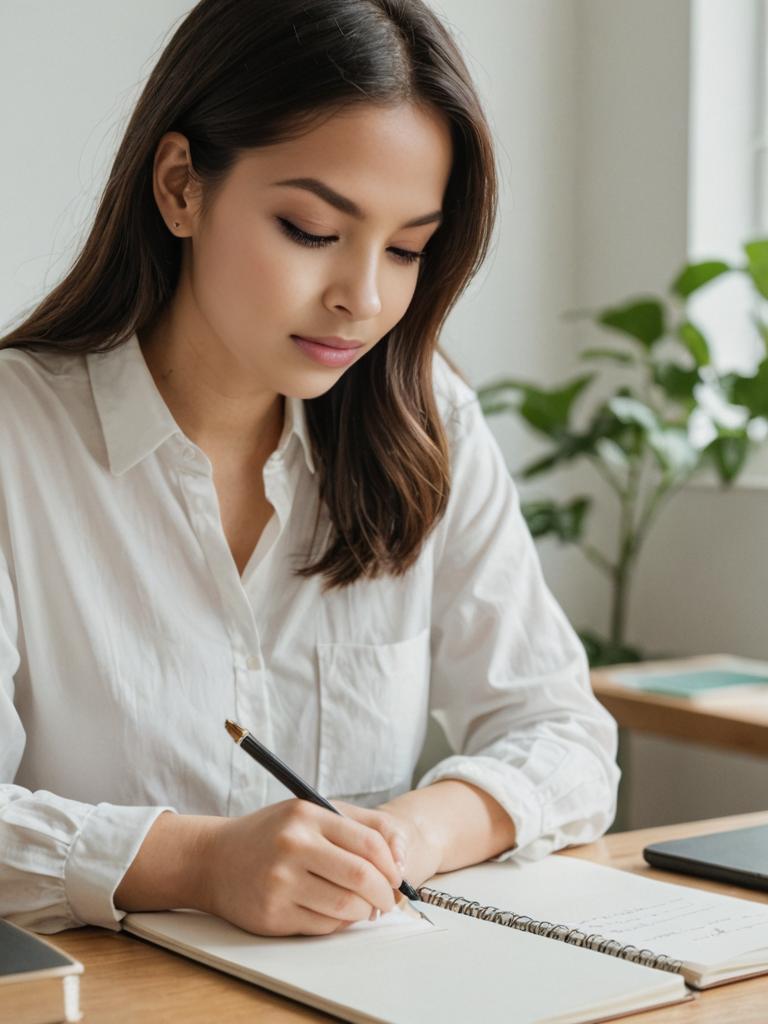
(303, 237)
(320, 241)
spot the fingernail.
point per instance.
(375, 914)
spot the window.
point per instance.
(728, 177)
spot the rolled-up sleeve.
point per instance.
(510, 682)
(60, 860)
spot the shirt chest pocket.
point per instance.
(373, 714)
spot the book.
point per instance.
(556, 941)
(738, 856)
(701, 680)
(39, 984)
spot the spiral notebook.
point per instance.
(705, 937)
(562, 941)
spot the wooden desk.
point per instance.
(128, 981)
(736, 723)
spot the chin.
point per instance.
(314, 392)
(311, 385)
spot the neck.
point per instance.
(207, 395)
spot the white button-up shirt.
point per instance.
(127, 637)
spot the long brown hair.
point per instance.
(239, 74)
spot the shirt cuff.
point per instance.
(99, 857)
(508, 786)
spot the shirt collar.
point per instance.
(135, 419)
(296, 424)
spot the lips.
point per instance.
(335, 353)
(331, 342)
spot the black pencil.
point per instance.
(296, 785)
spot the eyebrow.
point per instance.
(345, 205)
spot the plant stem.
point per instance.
(631, 540)
(622, 570)
(598, 558)
(619, 604)
(606, 474)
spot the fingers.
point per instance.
(333, 901)
(354, 875)
(389, 828)
(310, 922)
(366, 842)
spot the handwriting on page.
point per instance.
(696, 920)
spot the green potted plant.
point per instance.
(655, 415)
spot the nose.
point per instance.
(354, 289)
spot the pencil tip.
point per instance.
(235, 731)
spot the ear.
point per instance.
(176, 191)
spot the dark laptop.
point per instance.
(739, 857)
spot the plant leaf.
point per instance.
(602, 651)
(642, 319)
(675, 453)
(569, 447)
(762, 329)
(632, 410)
(500, 396)
(612, 454)
(549, 411)
(545, 411)
(695, 342)
(610, 354)
(695, 275)
(728, 453)
(751, 391)
(493, 408)
(542, 465)
(757, 264)
(605, 424)
(566, 521)
(677, 382)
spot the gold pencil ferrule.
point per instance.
(235, 731)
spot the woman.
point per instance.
(237, 481)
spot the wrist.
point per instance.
(202, 859)
(460, 823)
(171, 867)
(425, 841)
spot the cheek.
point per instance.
(399, 296)
(240, 271)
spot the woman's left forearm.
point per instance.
(452, 824)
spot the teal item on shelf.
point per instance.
(691, 683)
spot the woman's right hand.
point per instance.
(293, 868)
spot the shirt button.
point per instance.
(253, 662)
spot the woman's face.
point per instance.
(311, 239)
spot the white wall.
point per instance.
(69, 74)
(523, 55)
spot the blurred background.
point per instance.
(631, 139)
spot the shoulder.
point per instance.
(35, 367)
(33, 383)
(476, 458)
(457, 402)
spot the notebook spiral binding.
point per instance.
(561, 932)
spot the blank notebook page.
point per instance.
(459, 971)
